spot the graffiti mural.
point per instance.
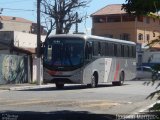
(13, 69)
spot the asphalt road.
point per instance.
(76, 101)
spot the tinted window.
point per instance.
(147, 69)
(111, 49)
(102, 48)
(126, 51)
(95, 48)
(130, 51)
(106, 49)
(115, 49)
(122, 50)
(64, 52)
(119, 50)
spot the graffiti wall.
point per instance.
(13, 69)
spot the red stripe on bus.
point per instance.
(116, 73)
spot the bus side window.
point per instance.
(88, 50)
(122, 51)
(134, 51)
(99, 48)
(102, 49)
(126, 51)
(115, 50)
(95, 47)
(106, 49)
(119, 50)
(111, 49)
(130, 52)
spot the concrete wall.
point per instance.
(133, 28)
(16, 26)
(116, 29)
(26, 40)
(19, 39)
(14, 69)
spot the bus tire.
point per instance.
(59, 85)
(121, 80)
(94, 81)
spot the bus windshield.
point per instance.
(64, 52)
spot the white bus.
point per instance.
(89, 60)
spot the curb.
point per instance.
(27, 87)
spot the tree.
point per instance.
(146, 7)
(154, 42)
(62, 14)
(141, 7)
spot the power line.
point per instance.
(18, 9)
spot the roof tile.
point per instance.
(16, 19)
(110, 9)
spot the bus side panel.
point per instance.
(112, 70)
(108, 64)
(128, 66)
(87, 72)
(96, 66)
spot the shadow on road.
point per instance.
(72, 87)
(57, 115)
(135, 79)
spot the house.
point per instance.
(112, 21)
(18, 49)
(9, 23)
(16, 42)
(18, 45)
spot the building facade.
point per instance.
(9, 23)
(112, 21)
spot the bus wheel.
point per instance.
(94, 81)
(59, 85)
(121, 79)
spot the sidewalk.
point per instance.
(24, 86)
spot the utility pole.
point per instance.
(76, 29)
(38, 29)
(39, 67)
(1, 10)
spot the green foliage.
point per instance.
(141, 7)
(155, 107)
(145, 7)
(154, 42)
(156, 67)
(153, 15)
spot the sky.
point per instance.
(27, 9)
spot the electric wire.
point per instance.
(17, 9)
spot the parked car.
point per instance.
(145, 72)
(156, 75)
